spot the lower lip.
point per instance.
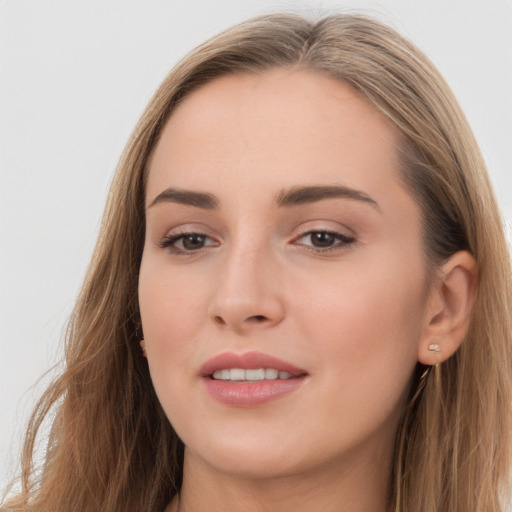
(249, 394)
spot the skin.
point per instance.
(357, 317)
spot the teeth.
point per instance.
(258, 374)
(238, 374)
(271, 374)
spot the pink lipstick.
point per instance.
(250, 379)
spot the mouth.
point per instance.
(250, 379)
(251, 375)
(250, 366)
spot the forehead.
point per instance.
(276, 127)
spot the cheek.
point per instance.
(170, 305)
(172, 312)
(365, 327)
(170, 321)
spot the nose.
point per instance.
(248, 294)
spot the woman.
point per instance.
(300, 297)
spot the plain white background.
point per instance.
(74, 78)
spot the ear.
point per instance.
(451, 300)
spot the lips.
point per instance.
(249, 361)
(236, 379)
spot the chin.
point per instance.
(247, 456)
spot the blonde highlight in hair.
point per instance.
(111, 446)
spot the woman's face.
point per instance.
(280, 239)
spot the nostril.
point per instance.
(219, 320)
(258, 318)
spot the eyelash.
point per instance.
(343, 242)
(168, 243)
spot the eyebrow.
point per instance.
(188, 197)
(310, 194)
(286, 198)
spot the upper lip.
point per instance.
(248, 360)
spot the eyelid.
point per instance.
(325, 226)
(188, 229)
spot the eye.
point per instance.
(186, 243)
(325, 241)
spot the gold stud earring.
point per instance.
(434, 347)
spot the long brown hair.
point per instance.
(111, 446)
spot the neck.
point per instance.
(357, 486)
